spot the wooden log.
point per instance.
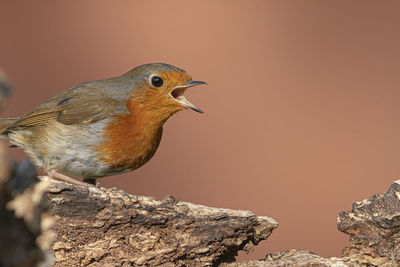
(99, 226)
(374, 229)
(109, 227)
(25, 226)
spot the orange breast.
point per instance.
(131, 139)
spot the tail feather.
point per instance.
(6, 122)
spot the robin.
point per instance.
(105, 127)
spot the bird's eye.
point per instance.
(157, 81)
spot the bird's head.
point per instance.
(159, 88)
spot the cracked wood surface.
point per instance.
(98, 226)
(108, 227)
(374, 229)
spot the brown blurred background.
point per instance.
(301, 111)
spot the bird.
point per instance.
(104, 127)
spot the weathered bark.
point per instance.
(25, 235)
(98, 226)
(298, 258)
(374, 228)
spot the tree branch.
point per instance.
(109, 226)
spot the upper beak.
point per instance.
(194, 83)
(178, 91)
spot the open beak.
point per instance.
(177, 94)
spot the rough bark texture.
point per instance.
(25, 235)
(108, 227)
(98, 226)
(298, 258)
(374, 228)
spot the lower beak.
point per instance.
(178, 91)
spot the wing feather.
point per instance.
(75, 106)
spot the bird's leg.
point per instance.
(55, 174)
(90, 181)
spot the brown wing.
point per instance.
(81, 110)
(80, 105)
